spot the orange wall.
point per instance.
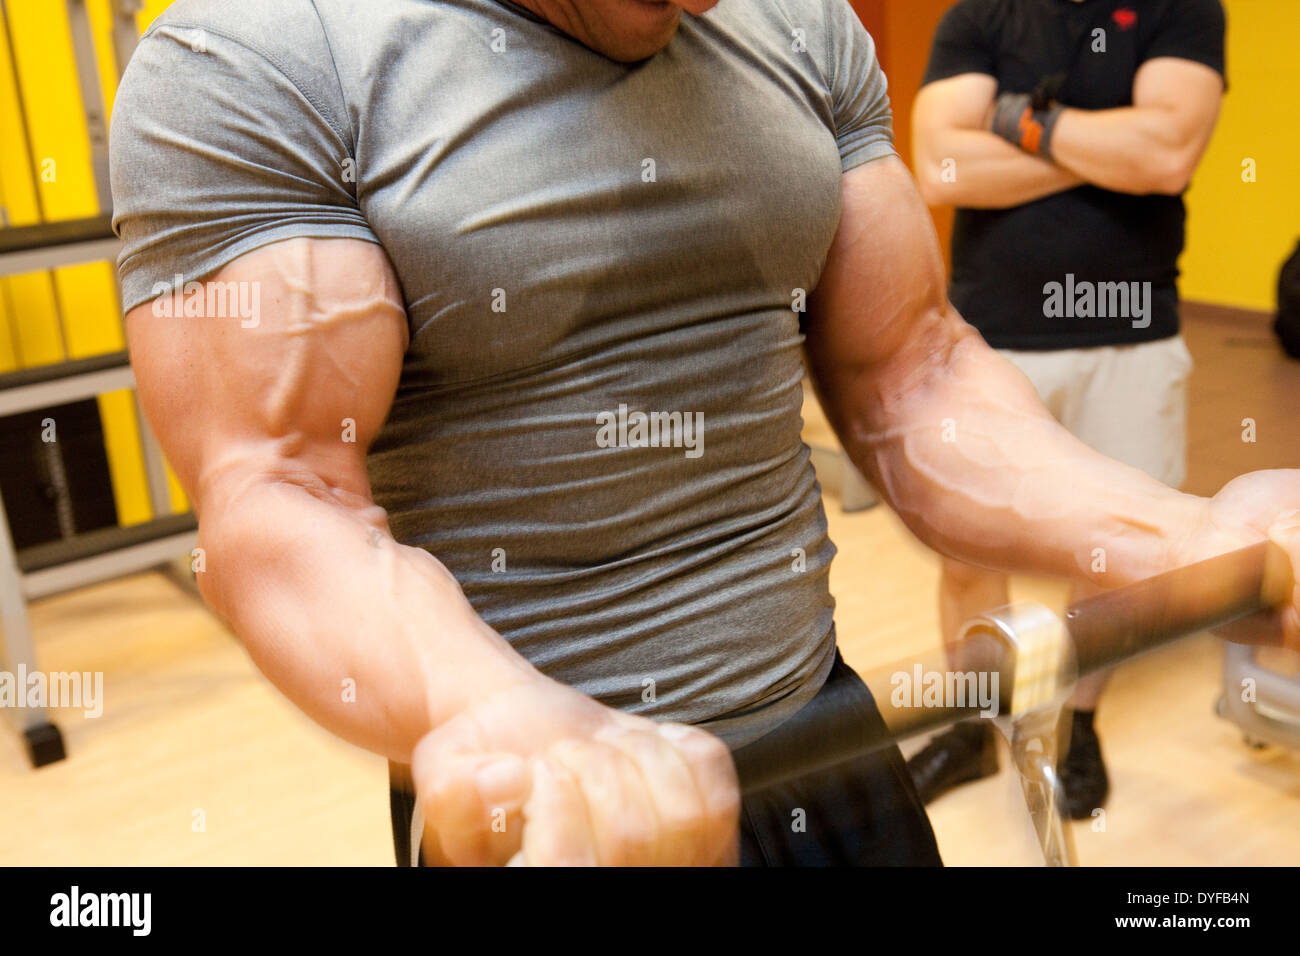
(902, 30)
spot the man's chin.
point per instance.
(633, 54)
(644, 37)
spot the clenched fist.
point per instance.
(542, 775)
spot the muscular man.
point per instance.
(480, 238)
(1066, 131)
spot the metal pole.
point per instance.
(126, 30)
(92, 97)
(16, 642)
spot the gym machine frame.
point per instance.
(87, 558)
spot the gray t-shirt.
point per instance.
(580, 243)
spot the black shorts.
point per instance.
(864, 812)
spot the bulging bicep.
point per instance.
(283, 362)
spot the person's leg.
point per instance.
(1131, 405)
(967, 751)
(1082, 768)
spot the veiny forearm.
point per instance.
(985, 171)
(373, 640)
(951, 433)
(980, 471)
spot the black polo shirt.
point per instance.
(1003, 259)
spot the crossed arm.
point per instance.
(1152, 146)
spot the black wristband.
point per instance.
(1016, 121)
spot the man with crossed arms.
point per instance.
(1065, 131)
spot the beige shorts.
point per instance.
(1128, 402)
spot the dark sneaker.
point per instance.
(969, 751)
(1083, 772)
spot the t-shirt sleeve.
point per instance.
(220, 145)
(960, 45)
(1192, 30)
(864, 128)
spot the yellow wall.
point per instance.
(1239, 233)
(151, 11)
(46, 175)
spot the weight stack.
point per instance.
(56, 489)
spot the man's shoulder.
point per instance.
(290, 35)
(255, 23)
(1167, 13)
(276, 50)
(1175, 7)
(243, 16)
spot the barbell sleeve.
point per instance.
(1097, 633)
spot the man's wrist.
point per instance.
(1173, 534)
(1189, 533)
(1014, 118)
(486, 666)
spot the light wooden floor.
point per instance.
(190, 728)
